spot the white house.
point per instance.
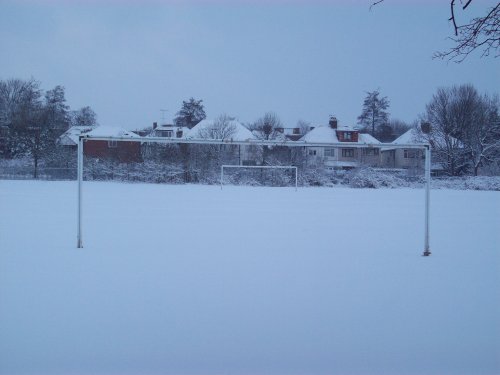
(341, 157)
(404, 158)
(169, 131)
(411, 159)
(70, 136)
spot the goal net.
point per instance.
(274, 175)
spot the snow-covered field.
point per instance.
(195, 280)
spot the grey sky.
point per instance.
(302, 60)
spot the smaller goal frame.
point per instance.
(257, 167)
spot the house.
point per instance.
(293, 134)
(168, 131)
(341, 157)
(70, 137)
(227, 130)
(122, 151)
(411, 160)
(404, 158)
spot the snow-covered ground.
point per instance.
(195, 280)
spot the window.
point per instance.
(329, 152)
(312, 152)
(370, 151)
(410, 154)
(179, 133)
(296, 130)
(167, 133)
(348, 152)
(112, 144)
(347, 136)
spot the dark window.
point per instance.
(348, 152)
(370, 151)
(112, 144)
(168, 133)
(312, 152)
(410, 154)
(347, 135)
(329, 152)
(296, 130)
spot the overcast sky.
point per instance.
(302, 60)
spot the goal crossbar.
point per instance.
(419, 146)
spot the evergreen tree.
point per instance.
(374, 112)
(56, 112)
(191, 113)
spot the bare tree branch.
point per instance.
(467, 4)
(375, 3)
(452, 18)
(481, 33)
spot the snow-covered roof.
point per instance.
(174, 128)
(367, 138)
(207, 128)
(326, 134)
(412, 136)
(112, 131)
(70, 136)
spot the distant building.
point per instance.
(169, 131)
(70, 137)
(230, 131)
(341, 157)
(122, 151)
(412, 160)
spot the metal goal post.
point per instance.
(422, 146)
(257, 167)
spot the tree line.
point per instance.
(32, 119)
(464, 127)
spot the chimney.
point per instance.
(333, 122)
(155, 125)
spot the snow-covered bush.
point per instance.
(468, 183)
(371, 178)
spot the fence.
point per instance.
(45, 173)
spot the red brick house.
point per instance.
(122, 151)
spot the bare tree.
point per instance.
(268, 127)
(481, 137)
(84, 116)
(304, 126)
(222, 128)
(465, 128)
(481, 33)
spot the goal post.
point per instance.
(302, 144)
(294, 168)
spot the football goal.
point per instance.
(209, 160)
